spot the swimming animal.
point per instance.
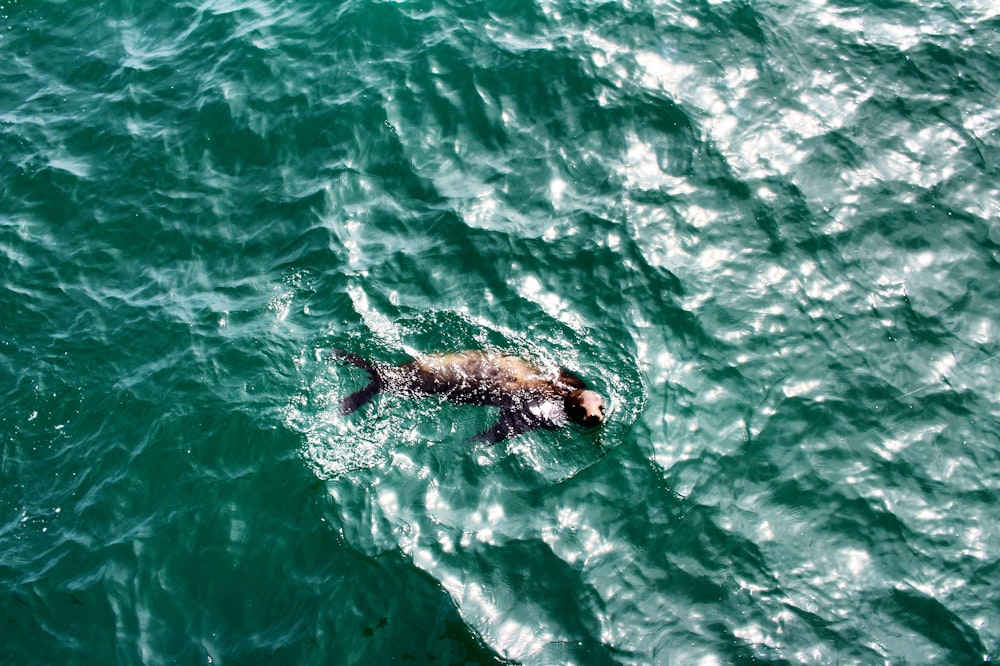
(528, 398)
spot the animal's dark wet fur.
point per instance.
(528, 398)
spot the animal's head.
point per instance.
(585, 407)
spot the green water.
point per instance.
(767, 232)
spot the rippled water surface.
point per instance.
(767, 232)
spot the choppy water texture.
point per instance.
(768, 231)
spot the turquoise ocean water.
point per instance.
(768, 232)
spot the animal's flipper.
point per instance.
(513, 422)
(359, 398)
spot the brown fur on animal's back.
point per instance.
(482, 377)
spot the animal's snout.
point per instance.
(586, 408)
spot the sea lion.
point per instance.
(528, 398)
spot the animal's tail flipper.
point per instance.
(359, 398)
